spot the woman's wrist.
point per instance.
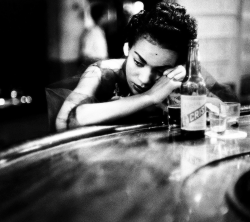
(156, 98)
(148, 99)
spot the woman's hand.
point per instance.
(170, 80)
(178, 73)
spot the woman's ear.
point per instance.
(125, 48)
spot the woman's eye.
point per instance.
(138, 63)
(159, 72)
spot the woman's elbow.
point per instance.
(75, 118)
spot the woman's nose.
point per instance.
(145, 77)
(88, 20)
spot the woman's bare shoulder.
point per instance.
(103, 67)
(114, 64)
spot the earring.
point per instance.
(125, 49)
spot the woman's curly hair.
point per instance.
(167, 24)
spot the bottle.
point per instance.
(193, 96)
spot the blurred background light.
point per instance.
(133, 7)
(138, 6)
(28, 99)
(2, 101)
(13, 94)
(23, 99)
(15, 101)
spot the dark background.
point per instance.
(25, 66)
(23, 47)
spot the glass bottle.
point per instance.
(193, 96)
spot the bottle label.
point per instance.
(193, 112)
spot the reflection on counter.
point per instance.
(204, 195)
(197, 153)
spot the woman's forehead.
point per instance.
(153, 53)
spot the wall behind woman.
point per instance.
(220, 33)
(245, 53)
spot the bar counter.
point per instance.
(111, 173)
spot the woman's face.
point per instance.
(146, 63)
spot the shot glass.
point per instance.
(232, 111)
(218, 122)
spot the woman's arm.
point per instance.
(99, 113)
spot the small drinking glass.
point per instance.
(174, 110)
(174, 116)
(218, 122)
(232, 111)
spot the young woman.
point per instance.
(135, 87)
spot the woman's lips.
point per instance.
(139, 89)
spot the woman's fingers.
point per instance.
(178, 73)
(176, 84)
(179, 77)
(166, 72)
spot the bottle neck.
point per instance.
(193, 63)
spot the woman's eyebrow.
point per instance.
(143, 60)
(157, 67)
